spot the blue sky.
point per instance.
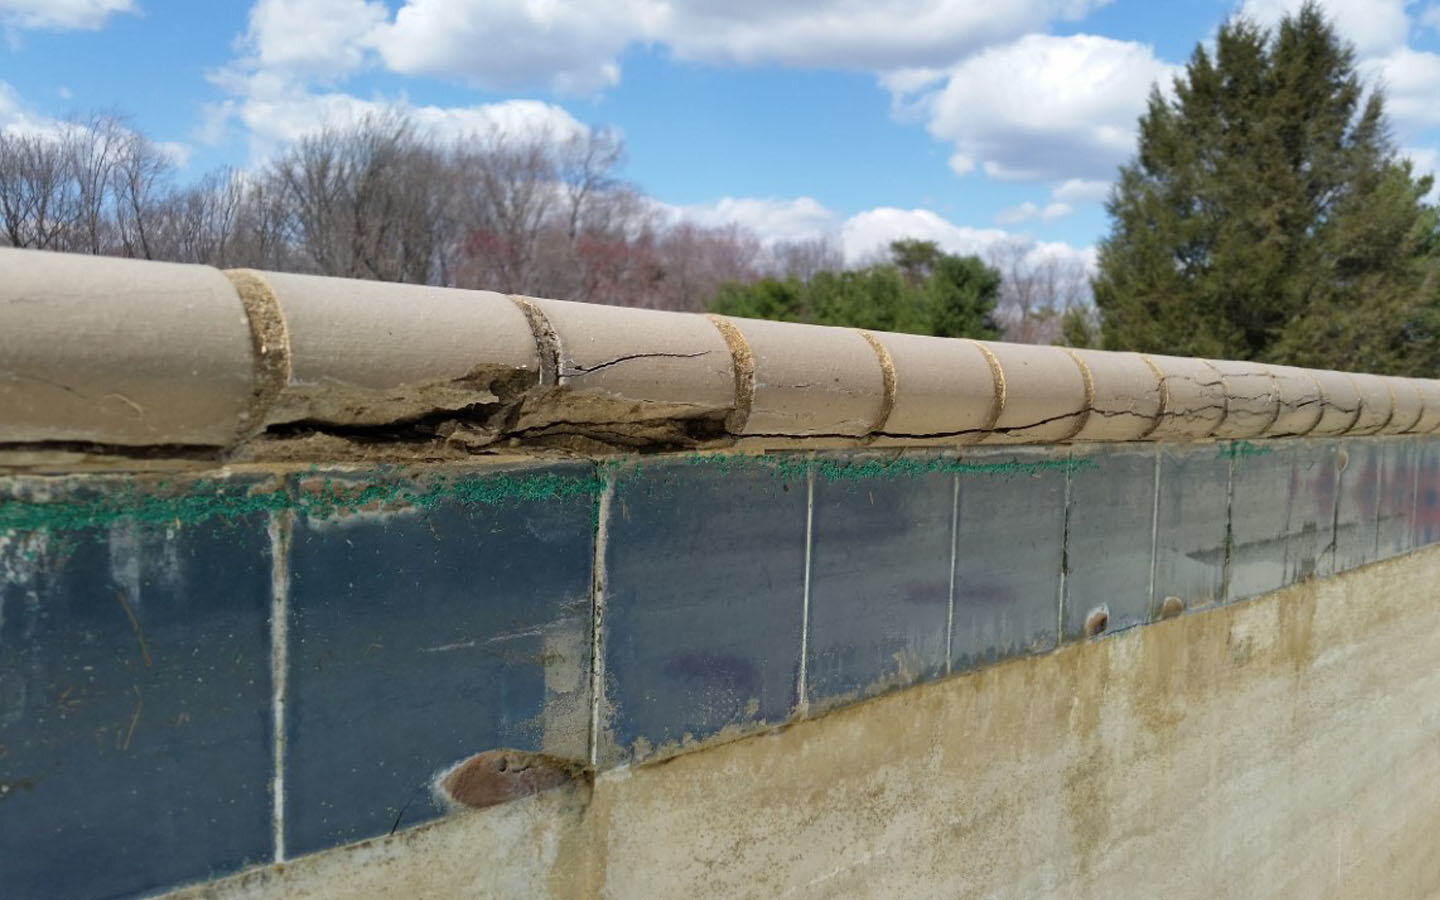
(967, 121)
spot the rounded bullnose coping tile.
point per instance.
(1193, 398)
(642, 356)
(372, 353)
(1127, 396)
(944, 387)
(1301, 403)
(1377, 404)
(1252, 400)
(1429, 419)
(1409, 406)
(812, 380)
(1045, 393)
(121, 352)
(1340, 403)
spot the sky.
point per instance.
(969, 122)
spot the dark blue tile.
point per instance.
(1110, 539)
(1397, 496)
(1263, 481)
(705, 574)
(1009, 550)
(1311, 525)
(1360, 462)
(430, 619)
(1282, 514)
(1425, 521)
(880, 574)
(135, 699)
(1191, 526)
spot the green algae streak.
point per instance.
(102, 501)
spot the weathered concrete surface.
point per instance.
(1288, 746)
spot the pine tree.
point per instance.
(1267, 216)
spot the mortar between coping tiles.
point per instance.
(743, 363)
(269, 341)
(887, 379)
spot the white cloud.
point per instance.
(567, 45)
(1411, 79)
(316, 37)
(1425, 160)
(864, 237)
(867, 235)
(62, 15)
(773, 219)
(1016, 214)
(1053, 211)
(17, 117)
(576, 45)
(874, 35)
(1046, 108)
(1374, 26)
(870, 232)
(1081, 190)
(275, 113)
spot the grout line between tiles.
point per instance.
(1412, 516)
(954, 553)
(1379, 499)
(1064, 553)
(1226, 561)
(597, 614)
(802, 703)
(1155, 531)
(280, 528)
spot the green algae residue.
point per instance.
(1244, 448)
(97, 506)
(89, 504)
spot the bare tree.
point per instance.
(696, 261)
(1037, 289)
(364, 201)
(506, 190)
(140, 172)
(37, 195)
(378, 199)
(805, 259)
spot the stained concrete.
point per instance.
(1287, 746)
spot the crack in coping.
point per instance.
(269, 345)
(742, 363)
(586, 370)
(1361, 393)
(1089, 381)
(1359, 405)
(1164, 396)
(1224, 397)
(1319, 398)
(997, 376)
(547, 340)
(1272, 396)
(887, 379)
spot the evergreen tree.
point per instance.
(925, 291)
(1267, 216)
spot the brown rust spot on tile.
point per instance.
(500, 775)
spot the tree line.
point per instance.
(541, 214)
